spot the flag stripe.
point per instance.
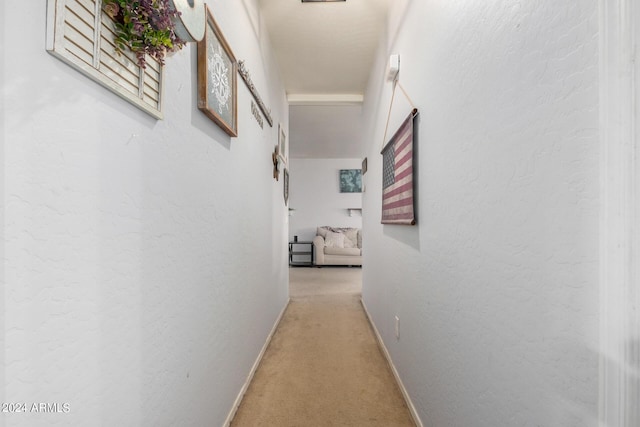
(399, 190)
(400, 161)
(399, 204)
(405, 173)
(400, 201)
(405, 140)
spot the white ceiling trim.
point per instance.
(325, 99)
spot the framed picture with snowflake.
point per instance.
(217, 78)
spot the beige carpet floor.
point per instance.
(323, 366)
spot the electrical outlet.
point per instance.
(397, 328)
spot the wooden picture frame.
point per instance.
(282, 143)
(217, 78)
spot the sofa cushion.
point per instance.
(334, 240)
(342, 251)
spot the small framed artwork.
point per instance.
(282, 143)
(217, 78)
(351, 180)
(286, 187)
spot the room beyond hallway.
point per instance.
(323, 366)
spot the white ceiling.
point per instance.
(324, 131)
(324, 50)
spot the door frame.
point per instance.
(620, 214)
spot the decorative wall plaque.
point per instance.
(217, 82)
(244, 73)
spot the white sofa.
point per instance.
(337, 246)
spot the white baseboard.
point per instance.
(385, 352)
(254, 368)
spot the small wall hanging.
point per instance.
(275, 159)
(286, 186)
(244, 73)
(350, 180)
(282, 144)
(217, 82)
(397, 175)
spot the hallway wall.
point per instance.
(496, 287)
(128, 239)
(315, 196)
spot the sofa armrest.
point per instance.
(318, 250)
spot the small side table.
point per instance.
(307, 251)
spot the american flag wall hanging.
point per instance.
(397, 176)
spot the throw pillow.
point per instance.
(322, 231)
(351, 237)
(334, 240)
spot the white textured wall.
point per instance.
(496, 287)
(128, 239)
(315, 196)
